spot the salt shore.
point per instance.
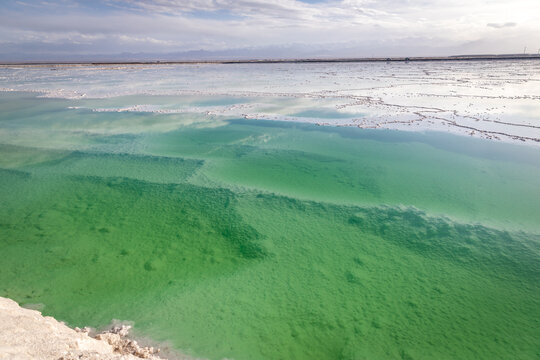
(497, 100)
(26, 334)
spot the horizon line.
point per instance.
(286, 60)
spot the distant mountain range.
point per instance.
(267, 54)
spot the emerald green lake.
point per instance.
(254, 239)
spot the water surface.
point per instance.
(256, 239)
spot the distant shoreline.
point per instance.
(279, 61)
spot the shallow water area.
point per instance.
(234, 235)
(487, 99)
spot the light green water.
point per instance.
(266, 240)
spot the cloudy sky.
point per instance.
(67, 29)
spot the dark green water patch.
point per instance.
(474, 245)
(88, 242)
(148, 168)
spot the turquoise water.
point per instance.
(253, 239)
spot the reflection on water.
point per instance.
(490, 99)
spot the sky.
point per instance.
(177, 29)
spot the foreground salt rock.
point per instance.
(26, 334)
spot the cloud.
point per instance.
(502, 25)
(347, 27)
